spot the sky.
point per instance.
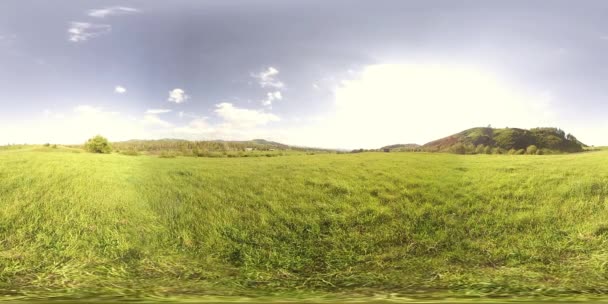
(333, 74)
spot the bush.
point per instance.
(47, 145)
(532, 149)
(98, 144)
(520, 152)
(166, 154)
(130, 152)
(458, 148)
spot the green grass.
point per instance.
(74, 224)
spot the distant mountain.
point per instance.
(268, 143)
(507, 140)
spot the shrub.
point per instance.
(469, 149)
(546, 151)
(520, 152)
(166, 154)
(532, 149)
(98, 144)
(487, 150)
(54, 146)
(512, 152)
(458, 148)
(47, 144)
(130, 152)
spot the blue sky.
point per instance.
(336, 74)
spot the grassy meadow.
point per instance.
(75, 223)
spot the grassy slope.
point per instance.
(494, 224)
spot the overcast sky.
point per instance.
(336, 74)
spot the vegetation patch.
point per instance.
(73, 224)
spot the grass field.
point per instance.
(73, 224)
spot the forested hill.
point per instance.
(183, 146)
(507, 140)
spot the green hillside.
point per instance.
(74, 224)
(507, 140)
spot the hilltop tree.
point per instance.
(98, 144)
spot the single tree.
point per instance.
(98, 144)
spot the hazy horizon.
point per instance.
(337, 74)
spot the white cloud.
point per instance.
(73, 126)
(233, 123)
(154, 121)
(52, 114)
(268, 78)
(196, 127)
(243, 118)
(177, 95)
(87, 109)
(84, 121)
(271, 97)
(120, 89)
(157, 111)
(83, 31)
(109, 11)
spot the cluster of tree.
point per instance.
(402, 148)
(363, 150)
(185, 147)
(98, 144)
(54, 146)
(460, 148)
(168, 148)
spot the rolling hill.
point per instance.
(502, 141)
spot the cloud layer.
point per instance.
(110, 11)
